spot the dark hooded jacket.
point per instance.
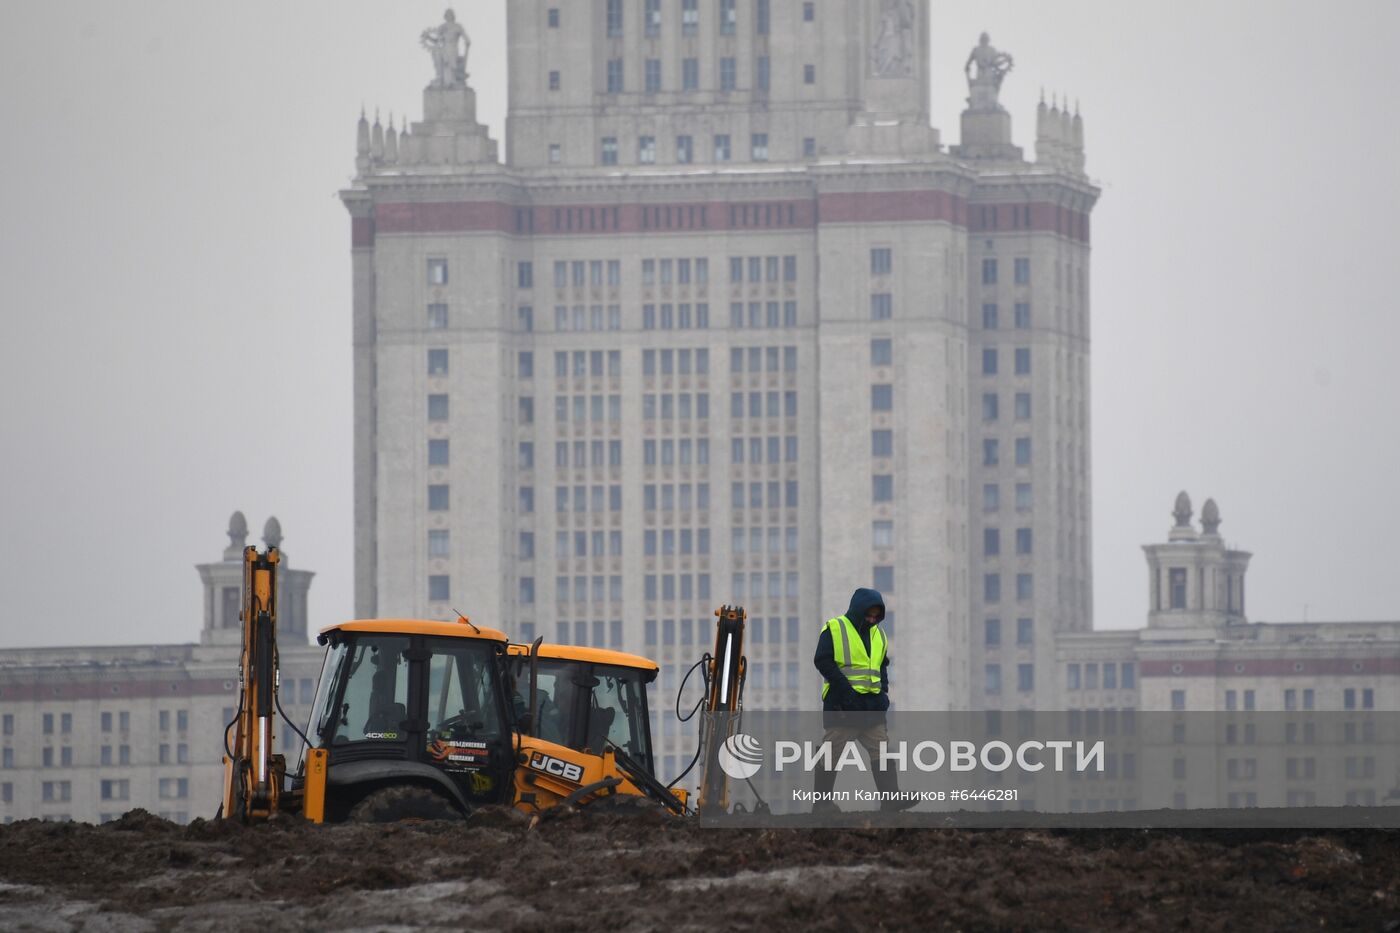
(842, 696)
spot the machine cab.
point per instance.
(587, 699)
(407, 701)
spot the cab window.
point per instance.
(462, 694)
(375, 704)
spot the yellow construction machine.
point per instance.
(427, 719)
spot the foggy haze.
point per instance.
(176, 286)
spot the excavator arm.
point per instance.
(253, 774)
(723, 704)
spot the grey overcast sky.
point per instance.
(175, 274)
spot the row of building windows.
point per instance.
(595, 272)
(584, 363)
(666, 271)
(770, 314)
(585, 408)
(763, 449)
(762, 359)
(1022, 361)
(758, 540)
(991, 451)
(676, 541)
(668, 362)
(63, 722)
(779, 495)
(991, 541)
(991, 316)
(991, 632)
(763, 404)
(1021, 271)
(671, 452)
(991, 497)
(727, 22)
(1025, 678)
(991, 587)
(669, 587)
(585, 454)
(671, 497)
(757, 586)
(762, 269)
(678, 317)
(596, 318)
(991, 406)
(723, 149)
(1086, 677)
(653, 68)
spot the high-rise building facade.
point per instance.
(729, 324)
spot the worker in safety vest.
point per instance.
(853, 658)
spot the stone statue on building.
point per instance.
(892, 55)
(448, 44)
(984, 85)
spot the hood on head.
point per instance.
(861, 601)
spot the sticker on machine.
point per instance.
(463, 756)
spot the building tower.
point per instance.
(223, 589)
(705, 338)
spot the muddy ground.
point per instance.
(646, 872)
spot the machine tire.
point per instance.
(403, 802)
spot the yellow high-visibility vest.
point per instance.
(860, 667)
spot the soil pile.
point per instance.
(587, 871)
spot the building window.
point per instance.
(991, 587)
(809, 74)
(690, 74)
(991, 497)
(1072, 677)
(762, 73)
(882, 534)
(882, 487)
(1023, 451)
(991, 451)
(722, 148)
(1025, 632)
(1176, 587)
(760, 147)
(762, 17)
(989, 406)
(809, 11)
(882, 397)
(881, 351)
(555, 154)
(437, 407)
(438, 497)
(614, 21)
(881, 306)
(437, 317)
(1023, 271)
(1023, 361)
(554, 17)
(653, 75)
(690, 17)
(728, 75)
(1023, 406)
(989, 362)
(1025, 677)
(653, 19)
(989, 316)
(989, 272)
(809, 147)
(439, 543)
(646, 150)
(991, 542)
(1178, 699)
(609, 150)
(1023, 315)
(439, 588)
(1025, 586)
(884, 578)
(728, 19)
(993, 675)
(1023, 497)
(881, 260)
(1023, 540)
(881, 443)
(525, 318)
(437, 271)
(437, 362)
(991, 632)
(685, 150)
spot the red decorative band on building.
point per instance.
(1031, 217)
(49, 690)
(1271, 667)
(883, 207)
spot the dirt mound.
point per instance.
(583, 870)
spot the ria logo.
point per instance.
(740, 756)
